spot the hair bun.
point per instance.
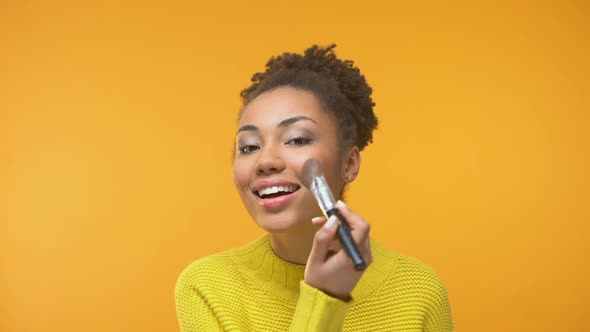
(337, 83)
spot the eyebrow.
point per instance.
(285, 123)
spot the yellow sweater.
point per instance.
(252, 289)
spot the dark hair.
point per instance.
(339, 86)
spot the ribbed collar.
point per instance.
(281, 278)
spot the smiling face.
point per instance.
(278, 131)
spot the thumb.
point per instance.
(321, 242)
(319, 221)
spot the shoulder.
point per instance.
(225, 269)
(207, 270)
(413, 274)
(409, 266)
(415, 284)
(429, 290)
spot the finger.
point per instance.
(334, 244)
(319, 221)
(359, 227)
(321, 242)
(359, 230)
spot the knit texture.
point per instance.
(252, 289)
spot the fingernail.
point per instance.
(318, 219)
(331, 222)
(340, 204)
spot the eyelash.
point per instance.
(304, 141)
(297, 141)
(245, 149)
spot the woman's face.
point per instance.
(277, 132)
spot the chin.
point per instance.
(280, 223)
(293, 218)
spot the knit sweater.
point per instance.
(252, 289)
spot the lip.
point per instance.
(275, 203)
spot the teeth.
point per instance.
(275, 189)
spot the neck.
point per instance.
(293, 246)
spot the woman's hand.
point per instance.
(328, 267)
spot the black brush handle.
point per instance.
(347, 242)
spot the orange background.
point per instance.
(117, 124)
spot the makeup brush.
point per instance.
(314, 180)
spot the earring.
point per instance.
(347, 178)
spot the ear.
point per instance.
(352, 164)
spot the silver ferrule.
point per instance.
(322, 193)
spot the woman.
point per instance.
(296, 277)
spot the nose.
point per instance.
(269, 161)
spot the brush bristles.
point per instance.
(311, 169)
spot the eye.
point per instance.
(299, 141)
(246, 149)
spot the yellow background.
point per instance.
(116, 131)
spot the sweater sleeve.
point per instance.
(316, 311)
(193, 312)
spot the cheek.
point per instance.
(298, 160)
(240, 174)
(331, 166)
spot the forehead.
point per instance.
(275, 105)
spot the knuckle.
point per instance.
(365, 227)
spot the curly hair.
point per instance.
(339, 86)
